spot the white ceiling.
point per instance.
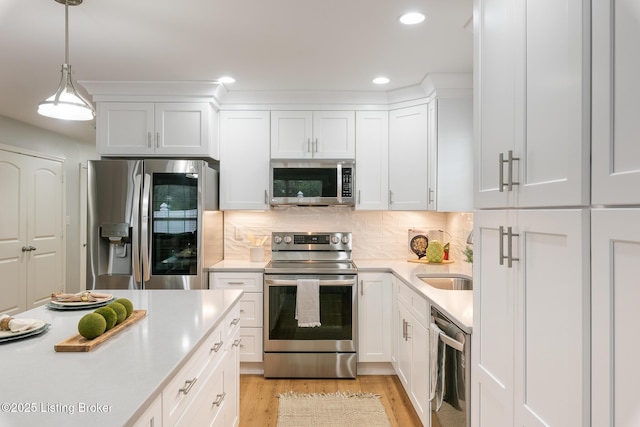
(292, 45)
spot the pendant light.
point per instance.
(66, 103)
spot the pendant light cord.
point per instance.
(66, 32)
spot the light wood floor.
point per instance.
(259, 404)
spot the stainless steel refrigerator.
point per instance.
(152, 224)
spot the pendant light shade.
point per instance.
(66, 103)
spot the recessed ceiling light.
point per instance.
(412, 18)
(381, 80)
(226, 79)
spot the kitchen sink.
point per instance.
(448, 283)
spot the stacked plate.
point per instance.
(79, 305)
(38, 328)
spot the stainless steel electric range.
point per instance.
(310, 306)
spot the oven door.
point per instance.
(338, 314)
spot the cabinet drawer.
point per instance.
(251, 310)
(231, 324)
(209, 404)
(248, 282)
(179, 393)
(417, 304)
(251, 344)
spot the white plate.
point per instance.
(8, 335)
(83, 303)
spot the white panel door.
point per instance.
(494, 85)
(244, 159)
(616, 90)
(408, 158)
(552, 324)
(492, 393)
(44, 231)
(31, 231)
(13, 234)
(615, 251)
(372, 160)
(374, 317)
(182, 128)
(554, 156)
(334, 134)
(291, 134)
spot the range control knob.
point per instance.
(335, 240)
(277, 239)
(287, 239)
(345, 239)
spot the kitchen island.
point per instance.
(121, 379)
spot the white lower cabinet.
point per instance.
(251, 309)
(412, 338)
(531, 326)
(374, 317)
(615, 252)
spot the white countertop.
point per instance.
(121, 376)
(456, 305)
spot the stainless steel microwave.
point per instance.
(312, 182)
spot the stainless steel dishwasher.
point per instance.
(450, 389)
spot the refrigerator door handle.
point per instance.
(136, 234)
(144, 227)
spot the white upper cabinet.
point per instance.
(155, 129)
(532, 103)
(408, 158)
(450, 171)
(372, 161)
(244, 160)
(616, 90)
(313, 134)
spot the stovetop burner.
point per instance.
(311, 253)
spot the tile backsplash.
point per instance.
(376, 234)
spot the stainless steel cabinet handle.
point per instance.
(266, 197)
(511, 159)
(308, 145)
(501, 161)
(216, 347)
(236, 283)
(149, 140)
(158, 139)
(315, 149)
(509, 257)
(361, 287)
(359, 197)
(236, 343)
(407, 336)
(28, 248)
(219, 399)
(390, 197)
(431, 192)
(235, 321)
(188, 384)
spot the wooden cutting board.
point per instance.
(79, 343)
(424, 261)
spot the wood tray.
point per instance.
(80, 343)
(424, 261)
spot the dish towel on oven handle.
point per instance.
(437, 359)
(308, 303)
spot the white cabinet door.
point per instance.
(493, 317)
(615, 251)
(404, 348)
(408, 158)
(31, 231)
(312, 134)
(182, 128)
(372, 160)
(291, 134)
(334, 135)
(533, 110)
(616, 90)
(420, 379)
(374, 317)
(244, 164)
(450, 154)
(125, 128)
(531, 321)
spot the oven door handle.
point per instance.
(323, 282)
